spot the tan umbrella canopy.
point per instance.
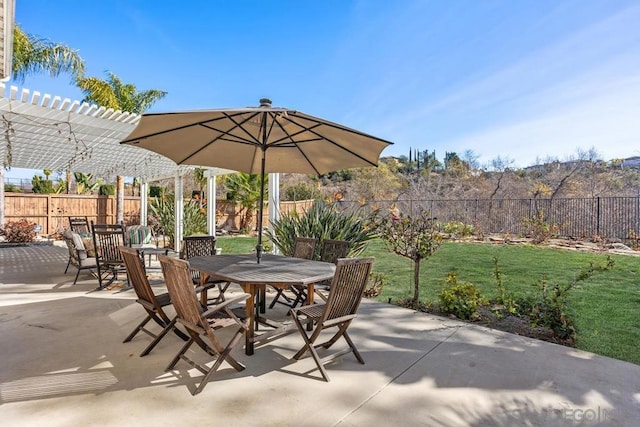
(257, 140)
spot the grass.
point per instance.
(236, 244)
(605, 307)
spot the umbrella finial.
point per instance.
(265, 102)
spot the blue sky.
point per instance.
(524, 80)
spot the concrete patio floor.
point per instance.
(63, 363)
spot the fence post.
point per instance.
(46, 228)
(598, 216)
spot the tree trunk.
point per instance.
(69, 181)
(119, 199)
(416, 283)
(2, 205)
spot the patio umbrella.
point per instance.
(256, 140)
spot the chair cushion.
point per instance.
(139, 235)
(79, 244)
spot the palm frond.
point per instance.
(33, 55)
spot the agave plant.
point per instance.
(322, 221)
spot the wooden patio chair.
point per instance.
(153, 304)
(107, 239)
(78, 256)
(304, 247)
(331, 251)
(204, 246)
(201, 322)
(338, 311)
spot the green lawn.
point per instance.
(605, 307)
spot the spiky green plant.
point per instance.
(321, 221)
(163, 211)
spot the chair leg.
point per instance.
(279, 293)
(301, 297)
(76, 279)
(224, 355)
(170, 325)
(353, 347)
(308, 345)
(137, 329)
(182, 351)
(67, 267)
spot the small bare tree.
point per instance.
(415, 238)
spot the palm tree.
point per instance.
(201, 181)
(244, 189)
(33, 55)
(112, 93)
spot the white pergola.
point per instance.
(48, 132)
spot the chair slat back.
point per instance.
(181, 290)
(304, 247)
(138, 276)
(199, 246)
(334, 249)
(79, 224)
(107, 238)
(347, 287)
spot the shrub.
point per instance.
(301, 191)
(163, 210)
(21, 231)
(458, 229)
(40, 185)
(460, 299)
(321, 221)
(156, 191)
(539, 229)
(376, 282)
(107, 190)
(10, 188)
(551, 310)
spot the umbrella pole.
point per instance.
(260, 208)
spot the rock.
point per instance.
(619, 246)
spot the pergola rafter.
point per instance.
(45, 132)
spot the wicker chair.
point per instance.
(78, 254)
(339, 311)
(153, 304)
(200, 324)
(304, 247)
(204, 246)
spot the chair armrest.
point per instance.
(237, 299)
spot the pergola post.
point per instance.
(2, 208)
(144, 199)
(274, 202)
(211, 202)
(179, 212)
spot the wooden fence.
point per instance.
(51, 211)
